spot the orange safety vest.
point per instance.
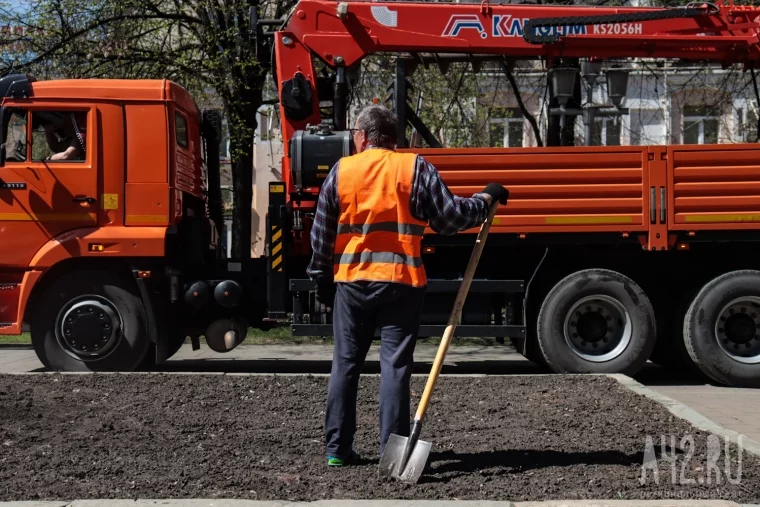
(378, 239)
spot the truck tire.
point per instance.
(90, 321)
(596, 321)
(722, 329)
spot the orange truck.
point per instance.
(604, 258)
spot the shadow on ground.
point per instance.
(449, 464)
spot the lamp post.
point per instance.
(590, 71)
(617, 85)
(563, 85)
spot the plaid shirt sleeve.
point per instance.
(324, 229)
(446, 213)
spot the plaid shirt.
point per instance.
(431, 201)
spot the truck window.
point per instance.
(15, 139)
(180, 126)
(59, 136)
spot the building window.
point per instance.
(506, 129)
(746, 131)
(700, 125)
(606, 132)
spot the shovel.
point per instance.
(404, 458)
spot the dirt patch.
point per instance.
(210, 436)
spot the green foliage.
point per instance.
(449, 95)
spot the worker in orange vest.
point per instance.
(367, 263)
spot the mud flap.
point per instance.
(156, 327)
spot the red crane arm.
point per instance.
(352, 30)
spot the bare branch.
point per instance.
(518, 97)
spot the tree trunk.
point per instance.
(242, 111)
(242, 188)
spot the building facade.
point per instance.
(666, 105)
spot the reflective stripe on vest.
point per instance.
(378, 239)
(408, 229)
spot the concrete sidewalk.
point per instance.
(378, 503)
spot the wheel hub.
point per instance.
(592, 326)
(88, 327)
(598, 328)
(737, 329)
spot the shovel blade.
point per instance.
(390, 461)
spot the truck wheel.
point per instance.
(90, 321)
(722, 329)
(596, 321)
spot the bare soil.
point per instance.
(65, 437)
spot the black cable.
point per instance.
(527, 288)
(530, 35)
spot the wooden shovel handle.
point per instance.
(448, 333)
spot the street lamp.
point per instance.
(617, 85)
(563, 83)
(590, 71)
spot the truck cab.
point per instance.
(102, 193)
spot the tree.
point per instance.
(457, 97)
(207, 46)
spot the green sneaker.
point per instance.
(335, 461)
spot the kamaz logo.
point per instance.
(504, 25)
(458, 22)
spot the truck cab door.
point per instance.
(49, 182)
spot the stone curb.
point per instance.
(690, 415)
(377, 503)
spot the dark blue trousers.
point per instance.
(359, 309)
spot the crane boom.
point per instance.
(344, 32)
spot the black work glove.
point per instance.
(325, 296)
(497, 193)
